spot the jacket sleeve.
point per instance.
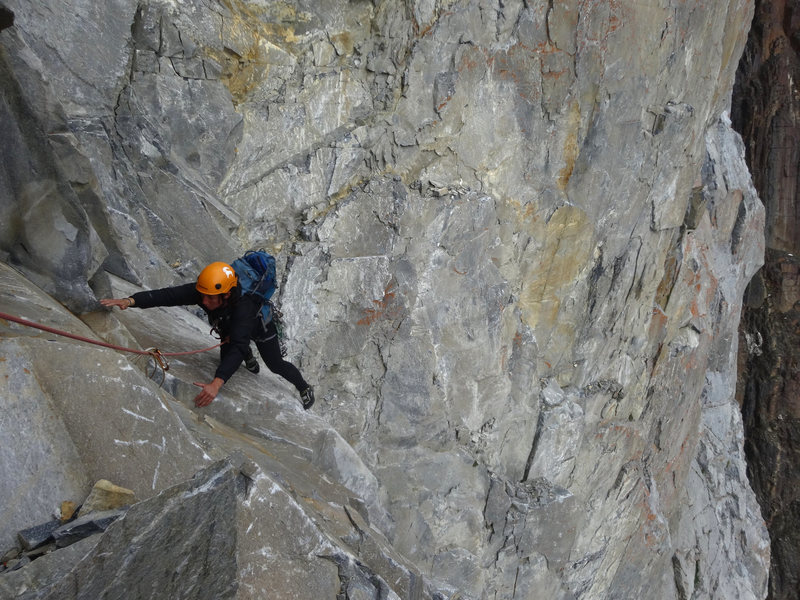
(244, 321)
(172, 296)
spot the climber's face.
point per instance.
(214, 302)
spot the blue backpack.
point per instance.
(256, 273)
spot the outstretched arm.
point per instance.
(171, 296)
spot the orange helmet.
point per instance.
(217, 278)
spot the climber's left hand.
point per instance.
(210, 391)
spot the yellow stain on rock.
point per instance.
(570, 145)
(344, 41)
(260, 37)
(555, 265)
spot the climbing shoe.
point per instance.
(307, 397)
(251, 364)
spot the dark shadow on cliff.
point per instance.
(768, 384)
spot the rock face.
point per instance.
(513, 239)
(765, 112)
(176, 545)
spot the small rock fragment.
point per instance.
(38, 534)
(83, 527)
(106, 496)
(67, 510)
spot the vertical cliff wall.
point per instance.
(766, 112)
(513, 238)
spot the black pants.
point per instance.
(270, 350)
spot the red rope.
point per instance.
(80, 338)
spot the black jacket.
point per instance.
(237, 322)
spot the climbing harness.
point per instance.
(158, 357)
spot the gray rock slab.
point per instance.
(84, 526)
(79, 30)
(35, 536)
(327, 531)
(183, 539)
(38, 576)
(118, 439)
(40, 465)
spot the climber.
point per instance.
(235, 317)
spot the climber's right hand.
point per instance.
(122, 303)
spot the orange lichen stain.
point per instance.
(426, 29)
(651, 530)
(613, 22)
(383, 308)
(529, 213)
(546, 48)
(694, 308)
(691, 361)
(650, 539)
(422, 32)
(472, 58)
(555, 74)
(658, 323)
(514, 66)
